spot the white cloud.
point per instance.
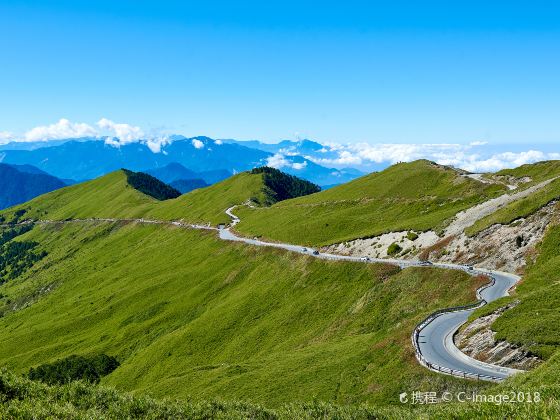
(218, 142)
(121, 133)
(462, 156)
(197, 144)
(277, 161)
(63, 129)
(155, 144)
(5, 137)
(299, 166)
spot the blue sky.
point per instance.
(375, 72)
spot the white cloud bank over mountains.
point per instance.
(476, 156)
(63, 129)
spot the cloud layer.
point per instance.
(477, 156)
(472, 157)
(63, 129)
(5, 137)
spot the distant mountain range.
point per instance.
(212, 160)
(177, 172)
(21, 183)
(185, 180)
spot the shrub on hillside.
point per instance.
(283, 186)
(151, 186)
(411, 236)
(394, 249)
(74, 368)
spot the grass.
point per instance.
(535, 322)
(189, 316)
(111, 196)
(25, 399)
(538, 172)
(518, 209)
(409, 196)
(219, 324)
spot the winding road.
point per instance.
(432, 338)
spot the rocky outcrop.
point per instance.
(478, 341)
(499, 247)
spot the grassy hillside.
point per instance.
(108, 196)
(189, 315)
(281, 186)
(112, 196)
(209, 204)
(535, 322)
(418, 196)
(520, 208)
(22, 398)
(151, 186)
(538, 172)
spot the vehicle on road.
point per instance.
(426, 263)
(365, 259)
(304, 250)
(315, 252)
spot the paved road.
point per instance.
(434, 338)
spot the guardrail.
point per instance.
(443, 369)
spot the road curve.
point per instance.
(432, 338)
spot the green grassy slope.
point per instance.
(520, 208)
(190, 315)
(209, 204)
(418, 195)
(25, 399)
(535, 322)
(108, 196)
(538, 172)
(111, 196)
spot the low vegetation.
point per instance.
(74, 368)
(17, 256)
(112, 196)
(394, 249)
(281, 186)
(535, 322)
(518, 209)
(151, 186)
(408, 196)
(535, 172)
(22, 398)
(411, 236)
(189, 315)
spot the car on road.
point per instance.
(315, 252)
(365, 259)
(425, 263)
(304, 250)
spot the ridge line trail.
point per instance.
(468, 217)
